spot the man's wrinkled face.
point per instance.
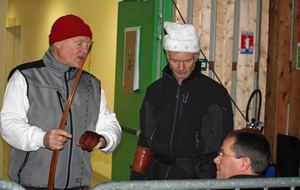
(73, 51)
(182, 64)
(227, 163)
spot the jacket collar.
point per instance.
(58, 68)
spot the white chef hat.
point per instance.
(181, 38)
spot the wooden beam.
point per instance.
(278, 74)
(294, 128)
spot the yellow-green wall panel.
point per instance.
(35, 18)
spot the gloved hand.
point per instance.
(143, 155)
(89, 140)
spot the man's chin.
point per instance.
(78, 65)
(182, 77)
(219, 175)
(79, 62)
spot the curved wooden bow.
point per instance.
(64, 117)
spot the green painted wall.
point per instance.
(132, 13)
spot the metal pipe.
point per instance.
(6, 184)
(212, 47)
(291, 61)
(131, 131)
(233, 183)
(287, 127)
(159, 39)
(258, 27)
(292, 32)
(257, 53)
(190, 5)
(236, 24)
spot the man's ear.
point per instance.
(196, 56)
(58, 44)
(246, 163)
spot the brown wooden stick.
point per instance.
(55, 153)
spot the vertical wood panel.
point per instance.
(182, 6)
(224, 45)
(271, 75)
(245, 68)
(220, 36)
(294, 129)
(201, 21)
(227, 64)
(278, 70)
(264, 36)
(224, 41)
(197, 11)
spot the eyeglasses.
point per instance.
(221, 154)
(81, 44)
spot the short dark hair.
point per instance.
(254, 145)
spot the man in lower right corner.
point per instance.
(244, 154)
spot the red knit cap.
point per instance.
(68, 26)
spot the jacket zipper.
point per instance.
(22, 166)
(60, 99)
(197, 140)
(153, 133)
(71, 129)
(185, 97)
(173, 126)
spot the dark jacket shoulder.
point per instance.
(24, 66)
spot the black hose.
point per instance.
(257, 115)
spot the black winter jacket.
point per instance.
(184, 125)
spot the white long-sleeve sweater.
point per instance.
(17, 132)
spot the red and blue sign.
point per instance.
(247, 42)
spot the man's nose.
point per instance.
(217, 160)
(85, 49)
(181, 65)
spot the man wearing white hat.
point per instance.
(184, 117)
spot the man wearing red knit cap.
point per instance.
(33, 105)
(73, 28)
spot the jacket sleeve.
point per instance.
(217, 123)
(147, 122)
(228, 123)
(143, 152)
(14, 126)
(108, 126)
(142, 141)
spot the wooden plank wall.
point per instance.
(294, 90)
(273, 71)
(245, 81)
(283, 89)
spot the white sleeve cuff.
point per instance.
(40, 139)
